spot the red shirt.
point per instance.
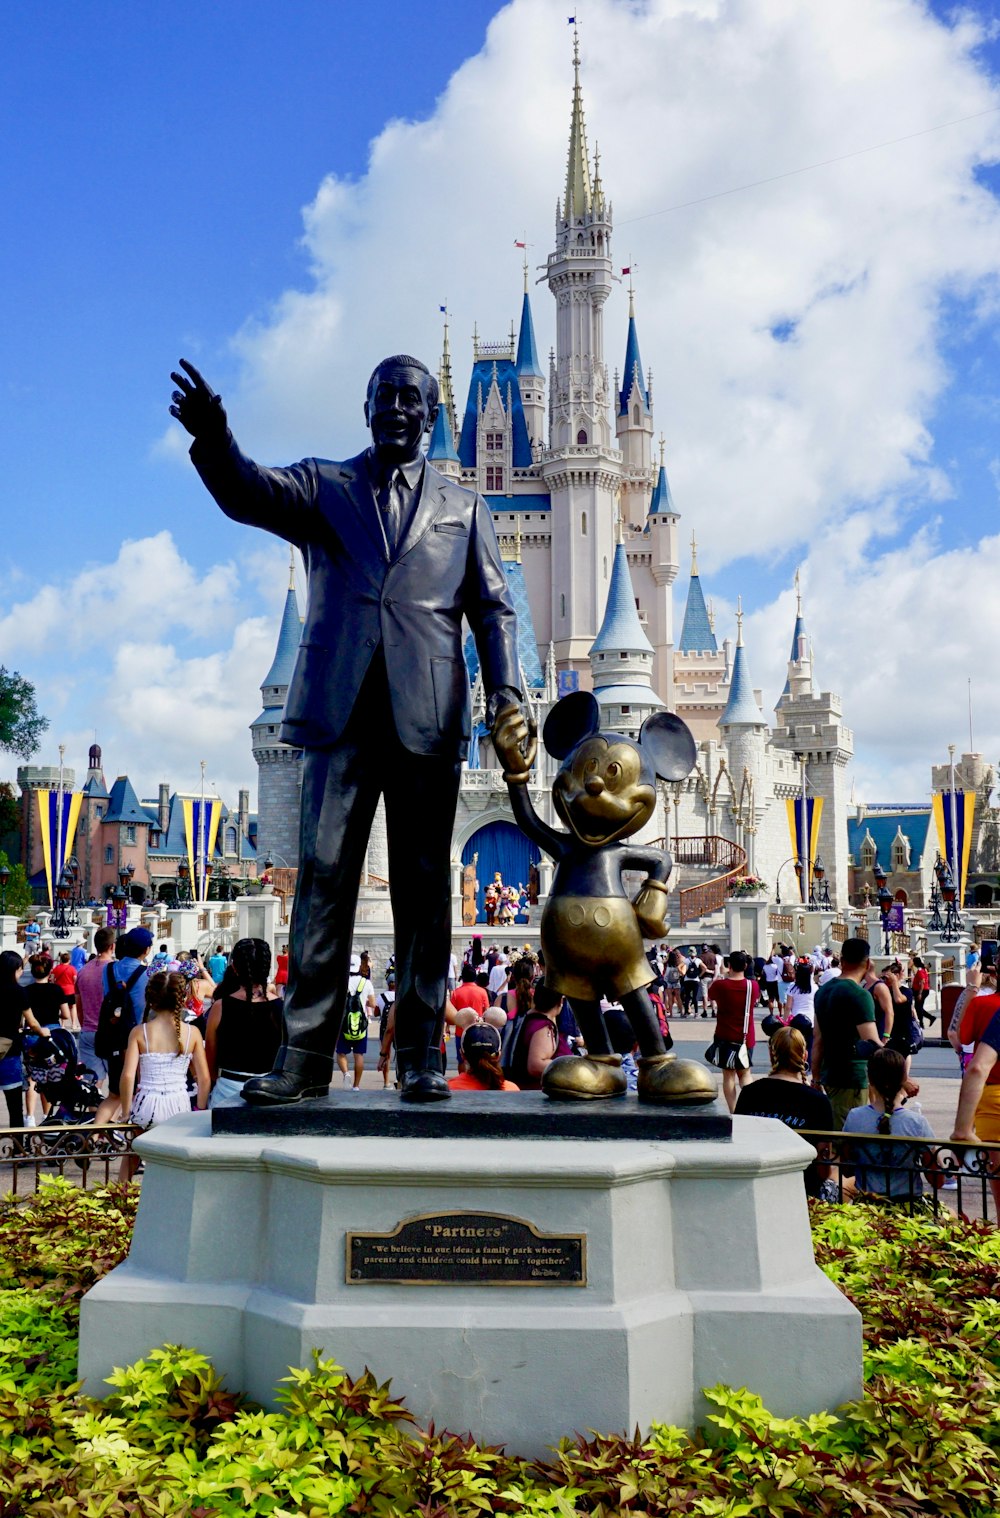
(730, 997)
(65, 978)
(469, 994)
(975, 1020)
(281, 979)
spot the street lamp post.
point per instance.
(884, 905)
(183, 883)
(59, 926)
(819, 895)
(4, 882)
(952, 916)
(794, 860)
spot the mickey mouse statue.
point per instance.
(591, 931)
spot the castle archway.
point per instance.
(501, 846)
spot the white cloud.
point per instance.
(156, 659)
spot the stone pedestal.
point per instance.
(186, 931)
(257, 917)
(8, 934)
(747, 924)
(694, 1265)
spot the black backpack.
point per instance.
(116, 1018)
(355, 1017)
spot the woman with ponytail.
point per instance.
(243, 1033)
(884, 1169)
(481, 1055)
(785, 1095)
(159, 1051)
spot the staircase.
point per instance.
(721, 855)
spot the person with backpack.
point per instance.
(534, 1041)
(353, 1040)
(121, 1010)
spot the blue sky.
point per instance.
(280, 193)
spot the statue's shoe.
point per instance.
(282, 1087)
(581, 1078)
(664, 1078)
(424, 1086)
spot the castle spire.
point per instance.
(291, 568)
(446, 394)
(694, 553)
(578, 199)
(633, 384)
(741, 708)
(799, 678)
(697, 635)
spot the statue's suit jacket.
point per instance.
(446, 566)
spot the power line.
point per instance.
(875, 147)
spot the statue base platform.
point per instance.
(475, 1115)
(520, 1288)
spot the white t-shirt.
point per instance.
(772, 969)
(800, 1003)
(498, 977)
(832, 974)
(453, 968)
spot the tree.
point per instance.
(21, 723)
(19, 897)
(10, 811)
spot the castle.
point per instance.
(567, 461)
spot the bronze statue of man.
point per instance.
(396, 556)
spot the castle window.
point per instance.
(583, 523)
(494, 442)
(625, 710)
(581, 437)
(562, 606)
(154, 838)
(271, 732)
(623, 656)
(130, 832)
(868, 852)
(636, 418)
(494, 477)
(109, 855)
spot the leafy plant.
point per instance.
(171, 1440)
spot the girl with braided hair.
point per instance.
(159, 1052)
(243, 1033)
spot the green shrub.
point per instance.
(171, 1440)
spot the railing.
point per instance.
(839, 932)
(780, 922)
(918, 1174)
(82, 1152)
(717, 853)
(226, 920)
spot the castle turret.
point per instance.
(621, 658)
(697, 635)
(634, 425)
(582, 467)
(530, 379)
(660, 535)
(279, 782)
(441, 450)
(744, 734)
(799, 678)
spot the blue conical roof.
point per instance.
(527, 354)
(697, 636)
(621, 628)
(441, 448)
(661, 500)
(741, 708)
(632, 372)
(289, 635)
(798, 635)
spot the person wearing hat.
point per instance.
(353, 1040)
(481, 1053)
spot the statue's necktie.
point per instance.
(390, 500)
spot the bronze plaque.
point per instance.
(466, 1249)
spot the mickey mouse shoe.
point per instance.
(666, 1079)
(582, 1078)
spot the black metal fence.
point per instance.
(86, 1153)
(920, 1174)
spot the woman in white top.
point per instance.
(158, 1055)
(799, 1009)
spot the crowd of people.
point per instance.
(162, 1033)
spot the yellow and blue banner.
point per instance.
(965, 814)
(805, 835)
(57, 835)
(201, 828)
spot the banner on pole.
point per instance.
(814, 813)
(201, 828)
(965, 814)
(57, 846)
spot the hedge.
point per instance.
(170, 1439)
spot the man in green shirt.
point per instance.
(846, 1034)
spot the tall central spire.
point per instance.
(579, 194)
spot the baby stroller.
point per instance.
(53, 1065)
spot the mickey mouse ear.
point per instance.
(667, 742)
(572, 719)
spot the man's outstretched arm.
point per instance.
(279, 500)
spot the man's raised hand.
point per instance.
(196, 406)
